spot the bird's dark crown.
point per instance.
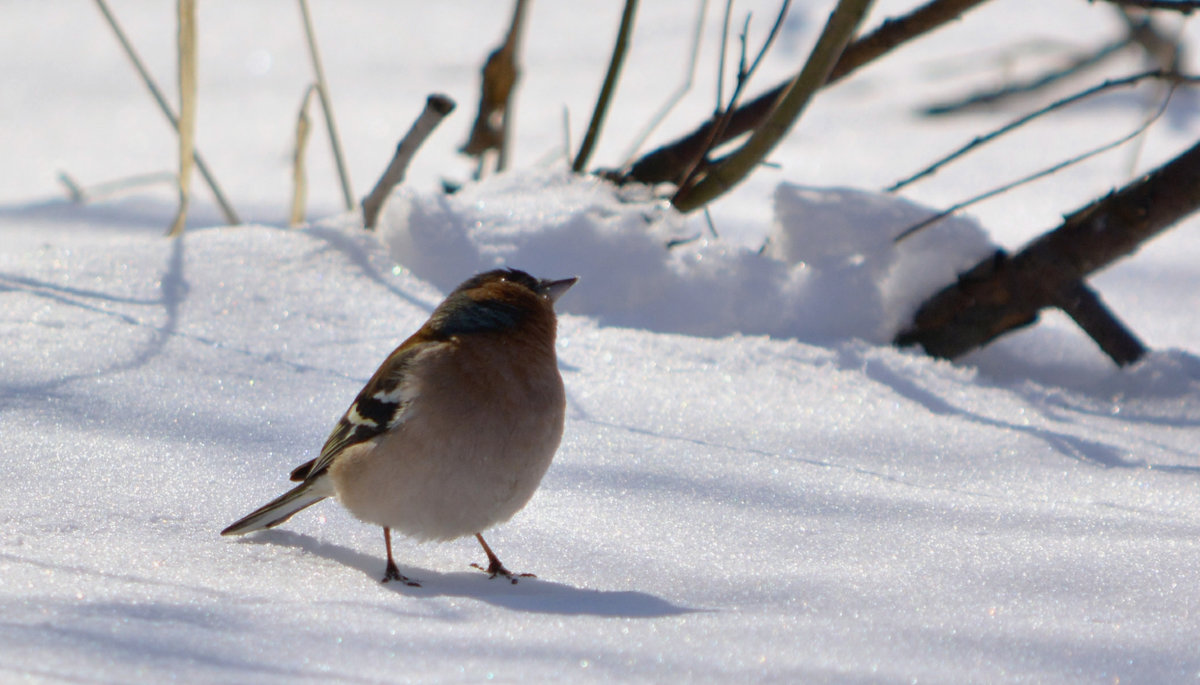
(466, 311)
(511, 275)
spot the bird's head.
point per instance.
(499, 300)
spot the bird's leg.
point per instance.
(392, 572)
(494, 567)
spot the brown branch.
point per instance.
(1084, 305)
(668, 163)
(1183, 6)
(725, 110)
(620, 47)
(731, 169)
(1002, 294)
(492, 123)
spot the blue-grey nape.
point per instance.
(461, 315)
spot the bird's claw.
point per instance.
(393, 573)
(494, 570)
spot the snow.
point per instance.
(753, 485)
(827, 248)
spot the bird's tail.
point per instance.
(281, 508)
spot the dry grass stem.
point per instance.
(299, 172)
(327, 106)
(186, 45)
(226, 208)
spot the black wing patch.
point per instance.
(377, 408)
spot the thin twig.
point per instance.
(76, 191)
(719, 107)
(1040, 174)
(725, 111)
(566, 131)
(668, 162)
(1141, 32)
(606, 91)
(732, 169)
(712, 227)
(227, 209)
(743, 39)
(1034, 84)
(771, 36)
(327, 106)
(436, 108)
(80, 194)
(1020, 121)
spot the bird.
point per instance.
(455, 429)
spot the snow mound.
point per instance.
(862, 277)
(831, 270)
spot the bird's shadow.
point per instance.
(529, 594)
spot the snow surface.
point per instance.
(752, 486)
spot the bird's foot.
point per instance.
(393, 573)
(497, 569)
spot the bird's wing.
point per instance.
(377, 408)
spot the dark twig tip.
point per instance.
(442, 104)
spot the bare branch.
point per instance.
(1036, 83)
(1162, 49)
(670, 162)
(727, 172)
(725, 111)
(674, 98)
(720, 104)
(1042, 173)
(1142, 32)
(610, 84)
(436, 109)
(1086, 308)
(1001, 294)
(493, 124)
(1182, 6)
(1020, 121)
(771, 36)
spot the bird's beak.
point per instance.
(555, 289)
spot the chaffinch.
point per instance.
(453, 433)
